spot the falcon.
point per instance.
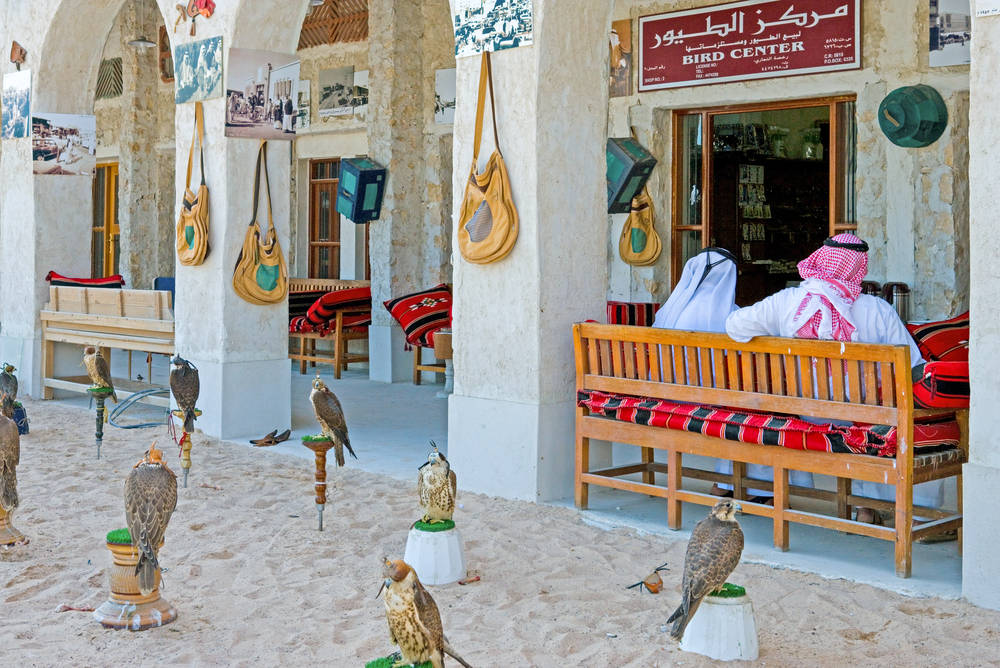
(712, 553)
(97, 369)
(150, 498)
(330, 416)
(413, 617)
(437, 487)
(8, 390)
(184, 386)
(10, 455)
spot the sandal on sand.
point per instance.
(943, 537)
(718, 491)
(283, 436)
(268, 439)
(868, 516)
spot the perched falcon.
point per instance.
(150, 498)
(10, 455)
(414, 620)
(184, 386)
(97, 369)
(437, 487)
(712, 553)
(330, 416)
(8, 390)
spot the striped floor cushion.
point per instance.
(767, 429)
(945, 340)
(321, 317)
(943, 385)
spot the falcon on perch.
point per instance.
(97, 369)
(330, 416)
(10, 455)
(185, 387)
(8, 390)
(437, 487)
(712, 553)
(150, 498)
(413, 617)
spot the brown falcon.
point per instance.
(10, 455)
(97, 369)
(437, 487)
(185, 387)
(8, 390)
(712, 553)
(330, 416)
(150, 498)
(413, 617)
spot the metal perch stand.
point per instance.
(100, 394)
(185, 445)
(319, 445)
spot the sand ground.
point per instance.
(254, 583)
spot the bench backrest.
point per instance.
(825, 379)
(148, 304)
(325, 284)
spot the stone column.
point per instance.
(395, 139)
(138, 216)
(982, 473)
(511, 418)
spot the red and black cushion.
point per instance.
(299, 302)
(632, 313)
(943, 385)
(422, 313)
(116, 281)
(356, 303)
(945, 340)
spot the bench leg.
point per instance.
(312, 352)
(904, 529)
(739, 475)
(303, 347)
(674, 518)
(958, 484)
(844, 509)
(416, 365)
(648, 475)
(48, 366)
(780, 503)
(581, 489)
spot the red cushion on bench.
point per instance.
(943, 385)
(945, 340)
(632, 313)
(357, 300)
(422, 313)
(115, 281)
(764, 428)
(299, 302)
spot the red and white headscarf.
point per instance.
(832, 279)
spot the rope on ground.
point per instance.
(119, 409)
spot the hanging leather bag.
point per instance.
(192, 224)
(487, 226)
(639, 244)
(261, 276)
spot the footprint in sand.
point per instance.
(225, 554)
(31, 573)
(863, 636)
(917, 611)
(196, 527)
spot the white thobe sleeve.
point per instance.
(760, 319)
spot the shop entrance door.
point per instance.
(105, 234)
(780, 179)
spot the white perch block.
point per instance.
(723, 629)
(436, 556)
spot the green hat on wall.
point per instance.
(913, 116)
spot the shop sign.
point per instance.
(987, 7)
(755, 39)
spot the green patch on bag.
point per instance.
(189, 235)
(638, 238)
(267, 276)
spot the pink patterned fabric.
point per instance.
(832, 277)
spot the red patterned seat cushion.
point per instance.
(299, 302)
(356, 303)
(116, 281)
(945, 340)
(767, 429)
(422, 313)
(943, 385)
(632, 313)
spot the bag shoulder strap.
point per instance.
(261, 156)
(197, 134)
(485, 79)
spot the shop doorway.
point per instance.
(105, 233)
(324, 221)
(768, 182)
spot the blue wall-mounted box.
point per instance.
(362, 185)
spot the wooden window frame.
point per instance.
(165, 54)
(313, 242)
(708, 114)
(109, 226)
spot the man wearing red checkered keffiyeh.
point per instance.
(832, 278)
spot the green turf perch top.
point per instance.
(119, 537)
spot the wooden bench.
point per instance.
(822, 379)
(340, 356)
(106, 318)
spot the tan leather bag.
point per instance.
(487, 224)
(639, 244)
(192, 224)
(261, 276)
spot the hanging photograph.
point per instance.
(261, 94)
(621, 58)
(491, 25)
(64, 144)
(444, 96)
(951, 33)
(16, 110)
(359, 97)
(302, 119)
(198, 70)
(336, 90)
